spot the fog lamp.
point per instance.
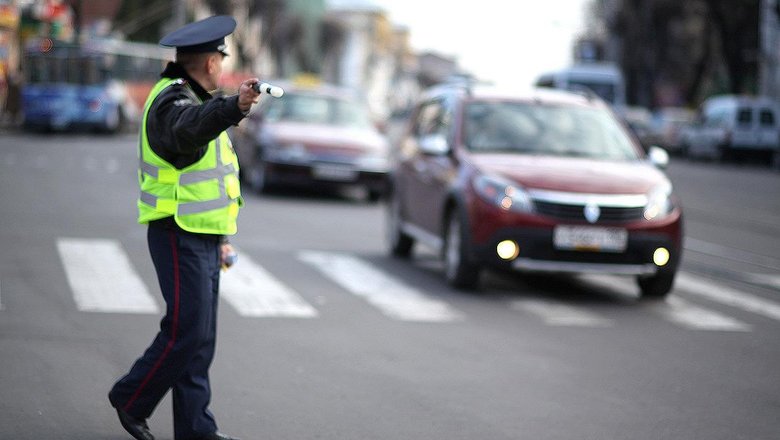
(507, 250)
(661, 256)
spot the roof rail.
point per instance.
(464, 81)
(585, 91)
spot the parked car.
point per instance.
(315, 135)
(730, 126)
(546, 181)
(639, 122)
(666, 127)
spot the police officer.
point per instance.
(190, 196)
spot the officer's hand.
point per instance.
(227, 255)
(247, 95)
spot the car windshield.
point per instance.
(555, 130)
(318, 109)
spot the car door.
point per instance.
(429, 171)
(767, 129)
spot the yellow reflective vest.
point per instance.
(203, 197)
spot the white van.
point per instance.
(604, 79)
(730, 126)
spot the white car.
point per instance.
(733, 126)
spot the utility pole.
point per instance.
(769, 72)
(178, 18)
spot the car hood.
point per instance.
(573, 174)
(319, 136)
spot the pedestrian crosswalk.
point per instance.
(102, 279)
(557, 313)
(393, 297)
(253, 291)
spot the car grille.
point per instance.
(577, 212)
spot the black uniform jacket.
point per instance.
(179, 127)
(182, 120)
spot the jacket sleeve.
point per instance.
(182, 125)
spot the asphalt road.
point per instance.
(323, 336)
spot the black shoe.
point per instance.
(136, 427)
(217, 436)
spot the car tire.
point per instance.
(373, 195)
(684, 151)
(113, 122)
(655, 286)
(398, 242)
(458, 270)
(257, 176)
(724, 153)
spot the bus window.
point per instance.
(605, 91)
(603, 79)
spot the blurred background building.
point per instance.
(671, 53)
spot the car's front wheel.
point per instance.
(399, 243)
(113, 121)
(459, 271)
(258, 176)
(655, 286)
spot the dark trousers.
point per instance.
(178, 359)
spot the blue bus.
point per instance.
(71, 86)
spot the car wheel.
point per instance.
(723, 154)
(458, 270)
(684, 150)
(655, 286)
(776, 159)
(113, 122)
(373, 195)
(258, 176)
(398, 242)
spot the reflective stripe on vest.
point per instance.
(188, 178)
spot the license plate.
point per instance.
(334, 172)
(589, 238)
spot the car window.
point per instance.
(605, 91)
(744, 116)
(516, 127)
(716, 118)
(317, 109)
(432, 119)
(767, 118)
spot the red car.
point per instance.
(546, 181)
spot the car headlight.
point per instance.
(659, 203)
(504, 194)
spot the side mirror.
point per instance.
(658, 157)
(434, 144)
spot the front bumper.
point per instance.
(538, 254)
(324, 174)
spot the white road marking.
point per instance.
(767, 280)
(392, 296)
(1, 301)
(675, 309)
(725, 295)
(253, 291)
(102, 278)
(683, 313)
(556, 313)
(730, 253)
